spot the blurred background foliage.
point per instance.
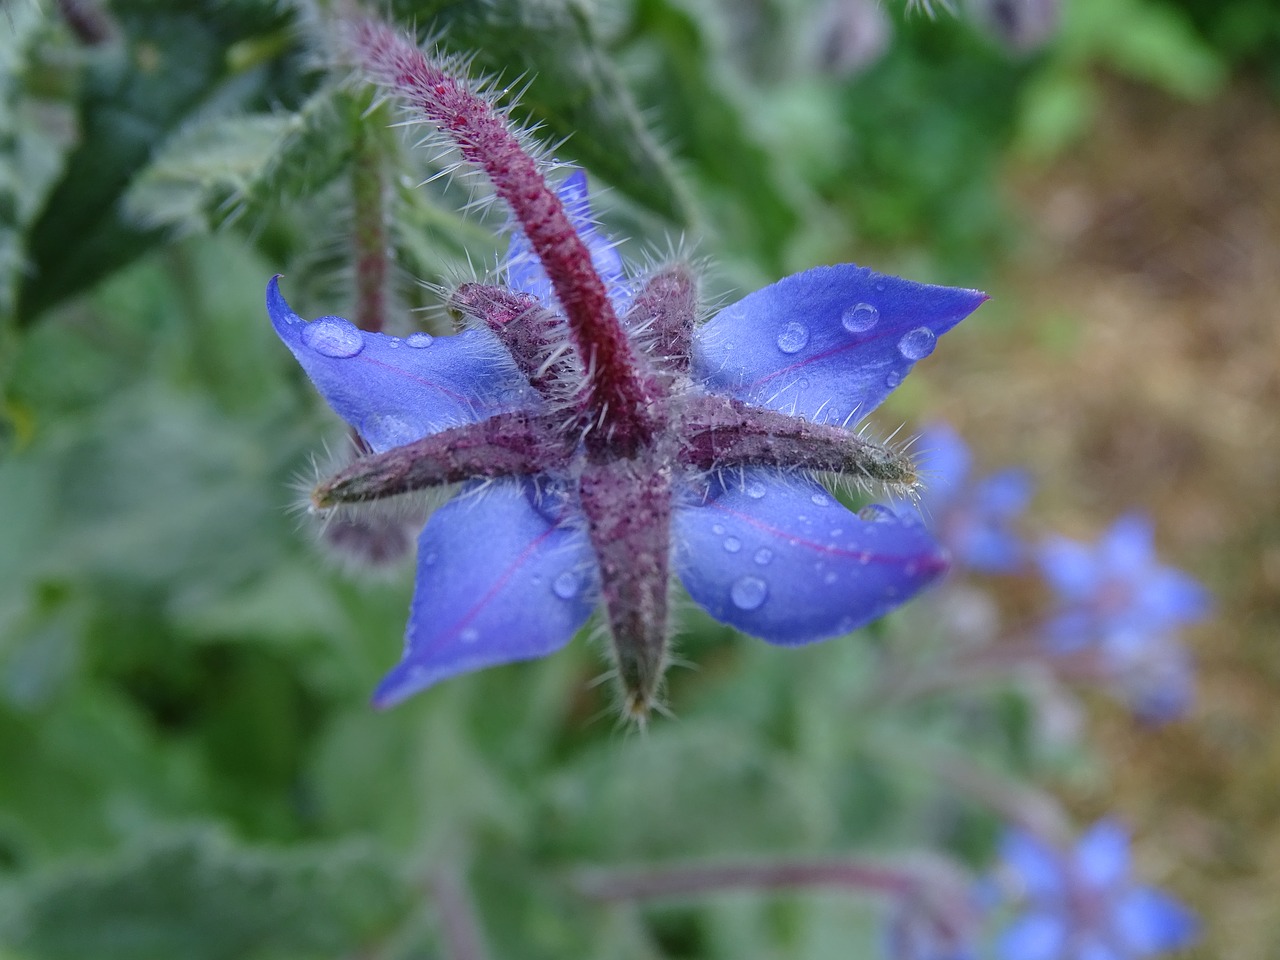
(188, 765)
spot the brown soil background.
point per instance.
(1137, 365)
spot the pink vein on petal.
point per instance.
(929, 564)
(489, 594)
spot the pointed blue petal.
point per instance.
(524, 269)
(828, 344)
(395, 391)
(1102, 855)
(780, 558)
(1040, 869)
(1169, 598)
(1040, 935)
(1150, 921)
(499, 580)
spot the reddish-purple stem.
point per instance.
(617, 397)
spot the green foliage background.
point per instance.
(188, 766)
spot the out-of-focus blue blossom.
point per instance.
(1083, 904)
(1118, 603)
(974, 520)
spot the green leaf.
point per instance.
(215, 169)
(167, 64)
(197, 895)
(574, 91)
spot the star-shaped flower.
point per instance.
(1118, 604)
(1083, 904)
(603, 439)
(973, 518)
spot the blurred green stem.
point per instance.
(702, 879)
(460, 933)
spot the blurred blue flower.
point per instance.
(516, 562)
(974, 520)
(1117, 603)
(1083, 904)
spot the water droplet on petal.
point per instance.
(387, 430)
(755, 489)
(893, 379)
(428, 558)
(877, 513)
(718, 529)
(333, 337)
(732, 545)
(748, 592)
(763, 556)
(793, 337)
(419, 340)
(469, 635)
(830, 578)
(567, 585)
(821, 500)
(859, 318)
(918, 343)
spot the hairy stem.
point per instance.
(617, 396)
(369, 233)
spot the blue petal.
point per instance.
(1150, 921)
(1039, 868)
(1092, 948)
(1170, 597)
(1040, 935)
(1071, 569)
(395, 391)
(1128, 548)
(1004, 494)
(499, 580)
(780, 558)
(524, 269)
(1102, 855)
(944, 464)
(828, 344)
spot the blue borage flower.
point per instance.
(1117, 603)
(605, 441)
(1083, 904)
(973, 518)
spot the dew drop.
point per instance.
(860, 318)
(763, 556)
(877, 513)
(718, 529)
(419, 340)
(820, 500)
(428, 558)
(567, 585)
(755, 489)
(830, 578)
(748, 592)
(917, 344)
(732, 544)
(793, 337)
(333, 337)
(893, 379)
(387, 430)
